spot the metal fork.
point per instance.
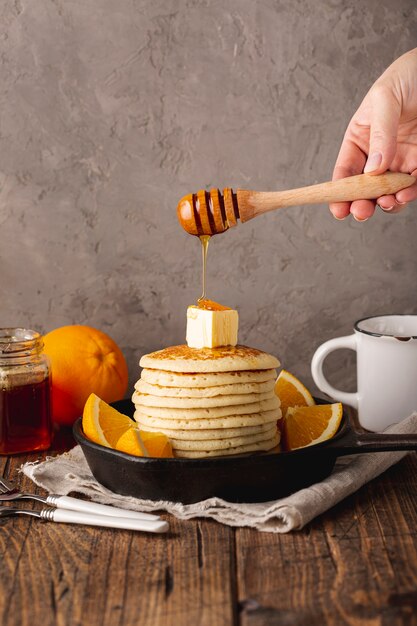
(88, 519)
(9, 492)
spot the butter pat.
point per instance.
(211, 325)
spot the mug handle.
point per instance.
(317, 369)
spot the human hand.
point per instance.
(382, 135)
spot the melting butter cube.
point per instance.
(211, 325)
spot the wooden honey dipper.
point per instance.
(211, 213)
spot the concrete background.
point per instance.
(112, 110)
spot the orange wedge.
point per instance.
(102, 423)
(108, 427)
(292, 392)
(142, 443)
(157, 444)
(308, 425)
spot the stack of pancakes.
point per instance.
(209, 401)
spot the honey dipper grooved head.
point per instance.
(207, 212)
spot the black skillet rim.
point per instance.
(156, 463)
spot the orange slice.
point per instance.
(157, 444)
(108, 427)
(131, 442)
(308, 425)
(292, 392)
(102, 423)
(142, 443)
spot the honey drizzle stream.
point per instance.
(205, 240)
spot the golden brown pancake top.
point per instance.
(204, 354)
(227, 358)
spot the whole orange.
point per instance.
(84, 360)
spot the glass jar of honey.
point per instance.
(25, 394)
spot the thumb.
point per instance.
(385, 117)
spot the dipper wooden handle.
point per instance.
(211, 213)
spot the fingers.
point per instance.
(409, 194)
(386, 111)
(395, 204)
(362, 210)
(350, 161)
(340, 210)
(387, 202)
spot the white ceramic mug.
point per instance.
(386, 347)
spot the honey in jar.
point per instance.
(25, 405)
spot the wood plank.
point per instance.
(280, 576)
(356, 564)
(3, 464)
(377, 569)
(62, 574)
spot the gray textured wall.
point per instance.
(111, 110)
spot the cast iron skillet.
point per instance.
(245, 478)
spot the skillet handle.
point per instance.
(357, 443)
(374, 442)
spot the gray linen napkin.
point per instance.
(69, 472)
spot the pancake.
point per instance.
(259, 446)
(231, 421)
(213, 433)
(205, 392)
(222, 444)
(209, 413)
(210, 401)
(142, 400)
(224, 359)
(206, 379)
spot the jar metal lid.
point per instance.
(19, 341)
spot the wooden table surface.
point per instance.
(357, 564)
